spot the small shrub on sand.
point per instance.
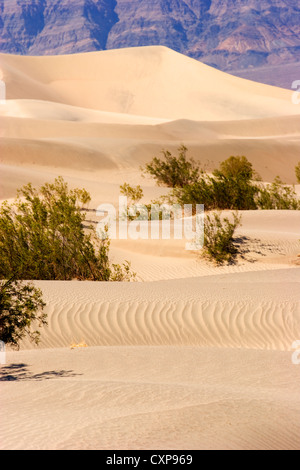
(237, 168)
(278, 196)
(43, 236)
(219, 237)
(173, 171)
(21, 305)
(297, 170)
(233, 186)
(133, 194)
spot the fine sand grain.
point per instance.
(191, 356)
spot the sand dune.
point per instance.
(192, 356)
(150, 81)
(199, 363)
(265, 247)
(186, 364)
(84, 145)
(81, 154)
(51, 111)
(251, 310)
(147, 397)
(117, 109)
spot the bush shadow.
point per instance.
(20, 372)
(251, 249)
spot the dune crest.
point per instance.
(147, 81)
(192, 356)
(117, 109)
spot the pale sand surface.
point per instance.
(200, 363)
(192, 356)
(117, 109)
(150, 398)
(147, 81)
(252, 310)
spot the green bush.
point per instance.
(199, 192)
(133, 194)
(21, 306)
(233, 193)
(297, 169)
(43, 236)
(235, 168)
(230, 187)
(173, 171)
(219, 237)
(277, 196)
(233, 186)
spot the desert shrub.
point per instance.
(173, 171)
(234, 186)
(21, 306)
(297, 170)
(219, 194)
(43, 236)
(199, 192)
(219, 232)
(235, 167)
(277, 196)
(133, 194)
(136, 211)
(230, 187)
(233, 193)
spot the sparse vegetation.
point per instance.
(173, 171)
(43, 236)
(234, 186)
(133, 194)
(219, 237)
(134, 211)
(278, 196)
(230, 187)
(21, 307)
(297, 169)
(218, 193)
(236, 168)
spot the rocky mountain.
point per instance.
(237, 36)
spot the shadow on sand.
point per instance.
(19, 372)
(251, 249)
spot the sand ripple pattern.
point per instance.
(265, 325)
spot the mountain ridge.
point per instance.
(235, 36)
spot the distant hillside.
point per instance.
(278, 75)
